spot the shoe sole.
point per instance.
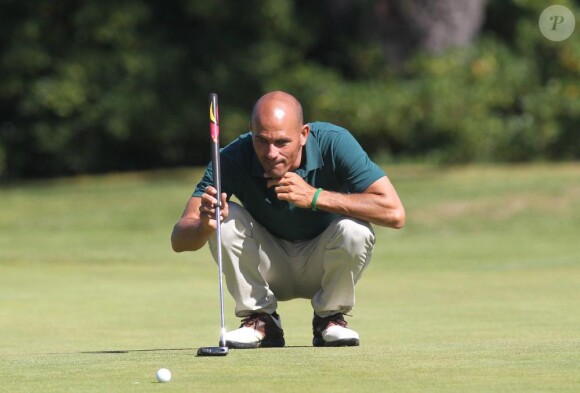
(267, 343)
(347, 342)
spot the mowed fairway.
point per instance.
(480, 292)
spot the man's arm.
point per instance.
(378, 204)
(197, 223)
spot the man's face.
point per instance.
(279, 150)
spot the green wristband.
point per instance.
(315, 198)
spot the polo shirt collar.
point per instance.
(312, 160)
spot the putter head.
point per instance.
(212, 351)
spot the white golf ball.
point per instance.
(163, 375)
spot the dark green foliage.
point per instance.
(101, 86)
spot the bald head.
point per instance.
(278, 133)
(277, 109)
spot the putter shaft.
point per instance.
(220, 269)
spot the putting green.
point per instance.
(479, 292)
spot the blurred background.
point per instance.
(95, 87)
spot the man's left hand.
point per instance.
(292, 188)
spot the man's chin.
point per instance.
(275, 174)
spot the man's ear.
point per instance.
(304, 132)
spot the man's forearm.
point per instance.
(188, 235)
(374, 208)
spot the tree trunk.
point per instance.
(431, 25)
(405, 27)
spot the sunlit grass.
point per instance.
(478, 292)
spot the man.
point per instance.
(309, 194)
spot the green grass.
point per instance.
(479, 292)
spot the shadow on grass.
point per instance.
(182, 349)
(124, 351)
(135, 350)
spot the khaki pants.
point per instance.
(261, 269)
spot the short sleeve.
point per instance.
(353, 164)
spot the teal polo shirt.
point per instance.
(334, 161)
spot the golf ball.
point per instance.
(163, 375)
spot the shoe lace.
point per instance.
(337, 319)
(255, 320)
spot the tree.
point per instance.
(405, 27)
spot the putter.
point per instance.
(214, 128)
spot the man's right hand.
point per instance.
(207, 208)
(197, 223)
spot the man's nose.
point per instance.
(272, 152)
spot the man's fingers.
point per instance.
(210, 196)
(210, 190)
(224, 203)
(273, 182)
